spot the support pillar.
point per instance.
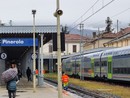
(41, 67)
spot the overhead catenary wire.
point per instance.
(86, 12)
(117, 14)
(121, 12)
(93, 14)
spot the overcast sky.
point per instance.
(19, 11)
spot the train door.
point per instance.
(97, 67)
(104, 68)
(96, 64)
(78, 65)
(73, 66)
(68, 66)
(92, 67)
(86, 67)
(109, 75)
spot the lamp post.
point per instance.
(57, 14)
(34, 56)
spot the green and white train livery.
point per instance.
(108, 64)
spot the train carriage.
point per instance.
(118, 63)
(121, 64)
(113, 64)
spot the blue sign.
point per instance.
(18, 42)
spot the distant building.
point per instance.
(72, 45)
(122, 39)
(98, 40)
(73, 42)
(119, 39)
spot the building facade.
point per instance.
(109, 39)
(98, 40)
(73, 44)
(122, 39)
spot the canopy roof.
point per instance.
(25, 31)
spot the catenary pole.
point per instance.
(81, 49)
(34, 54)
(59, 54)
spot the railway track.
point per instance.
(84, 93)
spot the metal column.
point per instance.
(41, 74)
(59, 54)
(34, 54)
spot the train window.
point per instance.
(73, 65)
(77, 65)
(121, 70)
(128, 70)
(96, 63)
(115, 70)
(104, 63)
(68, 69)
(86, 69)
(125, 71)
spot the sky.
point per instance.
(74, 12)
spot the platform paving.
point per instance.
(25, 90)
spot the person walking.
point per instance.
(28, 73)
(19, 74)
(11, 85)
(65, 81)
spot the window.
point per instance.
(104, 63)
(96, 63)
(74, 48)
(121, 70)
(126, 42)
(50, 48)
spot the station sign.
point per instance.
(32, 56)
(18, 42)
(3, 56)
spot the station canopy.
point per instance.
(25, 31)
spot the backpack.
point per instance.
(12, 86)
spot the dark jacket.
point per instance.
(28, 72)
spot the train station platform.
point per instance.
(25, 90)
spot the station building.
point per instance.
(16, 45)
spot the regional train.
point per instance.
(112, 64)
